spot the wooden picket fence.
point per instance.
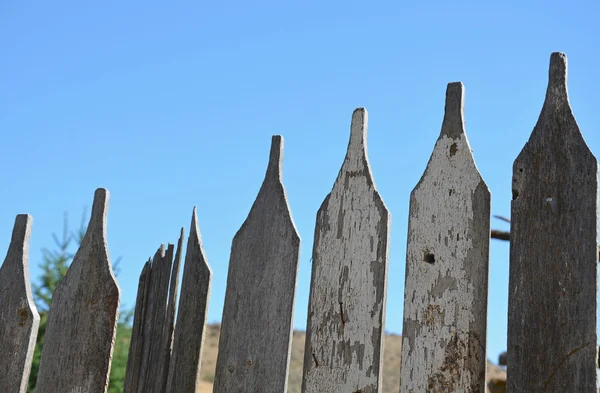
(552, 339)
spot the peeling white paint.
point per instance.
(445, 306)
(346, 311)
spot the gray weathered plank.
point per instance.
(82, 320)
(159, 355)
(256, 332)
(19, 319)
(134, 359)
(552, 336)
(346, 313)
(447, 263)
(184, 368)
(166, 345)
(152, 333)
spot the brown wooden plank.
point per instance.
(552, 334)
(447, 264)
(134, 359)
(82, 321)
(19, 319)
(184, 369)
(256, 331)
(346, 313)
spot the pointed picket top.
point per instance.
(82, 321)
(19, 319)
(346, 313)
(445, 299)
(454, 125)
(256, 330)
(184, 367)
(553, 253)
(557, 92)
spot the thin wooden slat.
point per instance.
(447, 264)
(346, 313)
(134, 359)
(150, 348)
(256, 332)
(158, 354)
(82, 321)
(149, 321)
(552, 335)
(167, 338)
(19, 319)
(184, 368)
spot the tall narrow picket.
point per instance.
(184, 367)
(256, 332)
(346, 313)
(447, 260)
(552, 336)
(19, 319)
(82, 320)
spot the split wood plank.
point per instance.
(152, 333)
(82, 320)
(447, 265)
(256, 332)
(136, 345)
(19, 319)
(184, 368)
(346, 313)
(552, 335)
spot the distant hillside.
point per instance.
(391, 364)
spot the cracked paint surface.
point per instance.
(347, 300)
(445, 307)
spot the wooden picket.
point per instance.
(256, 330)
(552, 326)
(19, 319)
(552, 334)
(184, 368)
(152, 331)
(82, 320)
(447, 259)
(346, 312)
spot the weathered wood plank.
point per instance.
(447, 264)
(152, 334)
(159, 355)
(19, 319)
(167, 338)
(134, 359)
(82, 321)
(552, 335)
(184, 368)
(256, 332)
(346, 313)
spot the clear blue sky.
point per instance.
(173, 106)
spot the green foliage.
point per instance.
(54, 266)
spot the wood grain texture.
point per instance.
(447, 264)
(346, 313)
(256, 332)
(134, 358)
(552, 335)
(82, 320)
(19, 319)
(152, 333)
(184, 368)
